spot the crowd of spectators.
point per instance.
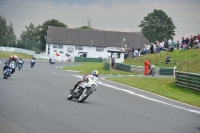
(192, 42)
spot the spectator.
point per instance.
(151, 48)
(145, 49)
(139, 50)
(191, 41)
(169, 43)
(161, 46)
(165, 43)
(148, 48)
(132, 50)
(154, 48)
(197, 46)
(167, 60)
(185, 46)
(179, 42)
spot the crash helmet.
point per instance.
(95, 73)
(11, 56)
(15, 57)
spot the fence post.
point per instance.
(174, 71)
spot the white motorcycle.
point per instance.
(84, 89)
(7, 73)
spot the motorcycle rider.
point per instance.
(33, 62)
(12, 59)
(85, 78)
(20, 61)
(51, 61)
(151, 68)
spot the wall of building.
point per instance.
(73, 51)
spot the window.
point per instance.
(99, 49)
(55, 51)
(58, 46)
(55, 46)
(61, 52)
(79, 47)
(116, 55)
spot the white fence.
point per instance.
(18, 50)
(37, 56)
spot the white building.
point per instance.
(68, 43)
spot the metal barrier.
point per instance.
(85, 59)
(123, 67)
(166, 71)
(187, 80)
(131, 68)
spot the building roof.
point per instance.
(95, 38)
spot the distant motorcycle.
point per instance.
(32, 62)
(19, 65)
(151, 70)
(7, 73)
(84, 89)
(51, 61)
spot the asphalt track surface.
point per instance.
(34, 100)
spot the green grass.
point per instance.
(166, 86)
(88, 67)
(20, 55)
(162, 86)
(185, 60)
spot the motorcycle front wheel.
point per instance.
(70, 97)
(152, 73)
(5, 76)
(83, 97)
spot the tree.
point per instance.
(85, 27)
(44, 28)
(30, 37)
(11, 38)
(157, 26)
(3, 30)
(88, 27)
(7, 36)
(89, 21)
(31, 33)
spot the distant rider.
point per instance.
(11, 60)
(85, 78)
(51, 61)
(32, 61)
(20, 61)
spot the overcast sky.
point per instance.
(110, 15)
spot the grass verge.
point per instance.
(20, 55)
(88, 67)
(162, 86)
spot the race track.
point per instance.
(34, 100)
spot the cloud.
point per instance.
(115, 15)
(2, 2)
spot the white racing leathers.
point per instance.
(84, 89)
